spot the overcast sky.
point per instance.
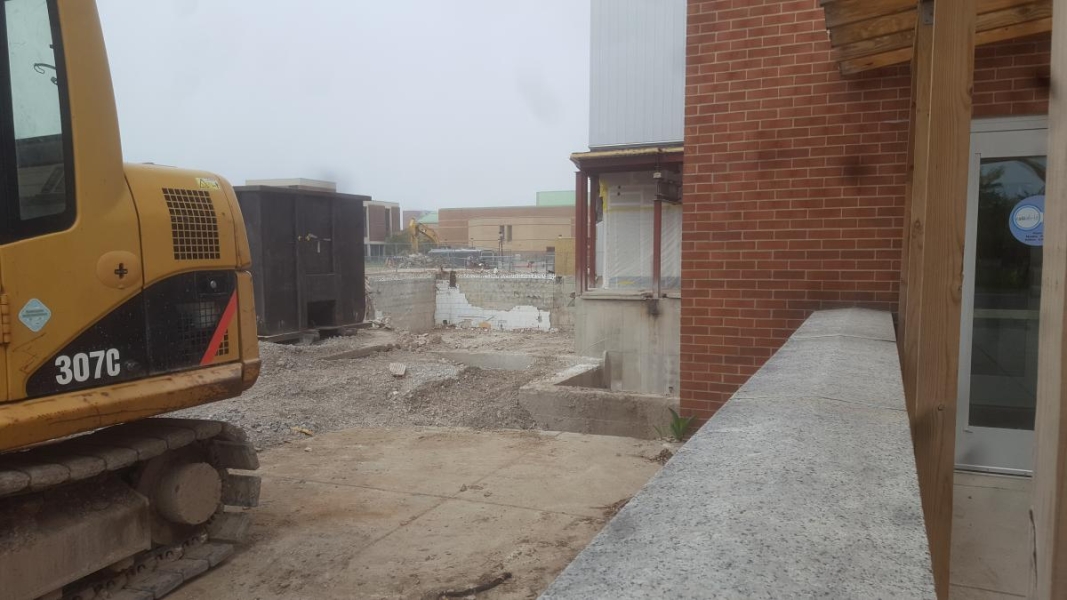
(428, 103)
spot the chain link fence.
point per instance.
(394, 257)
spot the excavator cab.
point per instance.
(116, 279)
(125, 293)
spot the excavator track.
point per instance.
(140, 464)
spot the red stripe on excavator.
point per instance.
(224, 324)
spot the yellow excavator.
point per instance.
(417, 230)
(124, 294)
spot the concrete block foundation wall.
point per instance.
(503, 292)
(794, 180)
(418, 302)
(506, 302)
(408, 301)
(639, 335)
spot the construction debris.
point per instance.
(300, 386)
(398, 369)
(663, 456)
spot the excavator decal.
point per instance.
(177, 324)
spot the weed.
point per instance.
(679, 426)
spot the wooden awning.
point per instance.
(868, 34)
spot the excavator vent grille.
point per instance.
(224, 347)
(193, 224)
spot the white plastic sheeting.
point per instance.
(627, 232)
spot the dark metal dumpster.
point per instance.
(307, 259)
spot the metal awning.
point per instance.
(628, 159)
(868, 34)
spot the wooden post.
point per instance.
(1048, 572)
(915, 205)
(940, 238)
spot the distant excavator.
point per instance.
(417, 230)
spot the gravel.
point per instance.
(301, 390)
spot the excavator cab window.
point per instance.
(37, 183)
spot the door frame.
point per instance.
(974, 445)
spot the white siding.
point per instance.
(637, 74)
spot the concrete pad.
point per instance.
(304, 536)
(447, 548)
(424, 461)
(378, 513)
(991, 533)
(587, 474)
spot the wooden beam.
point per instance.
(843, 12)
(915, 213)
(873, 28)
(1048, 569)
(990, 26)
(995, 23)
(885, 24)
(1012, 32)
(937, 361)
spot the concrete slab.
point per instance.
(305, 536)
(379, 513)
(588, 474)
(990, 535)
(423, 461)
(449, 547)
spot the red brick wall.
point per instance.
(794, 180)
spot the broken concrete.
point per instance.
(453, 308)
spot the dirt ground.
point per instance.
(362, 500)
(413, 513)
(301, 390)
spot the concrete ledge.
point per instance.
(557, 405)
(802, 485)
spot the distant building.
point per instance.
(556, 198)
(381, 220)
(298, 183)
(514, 229)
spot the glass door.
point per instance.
(1001, 296)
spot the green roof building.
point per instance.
(558, 198)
